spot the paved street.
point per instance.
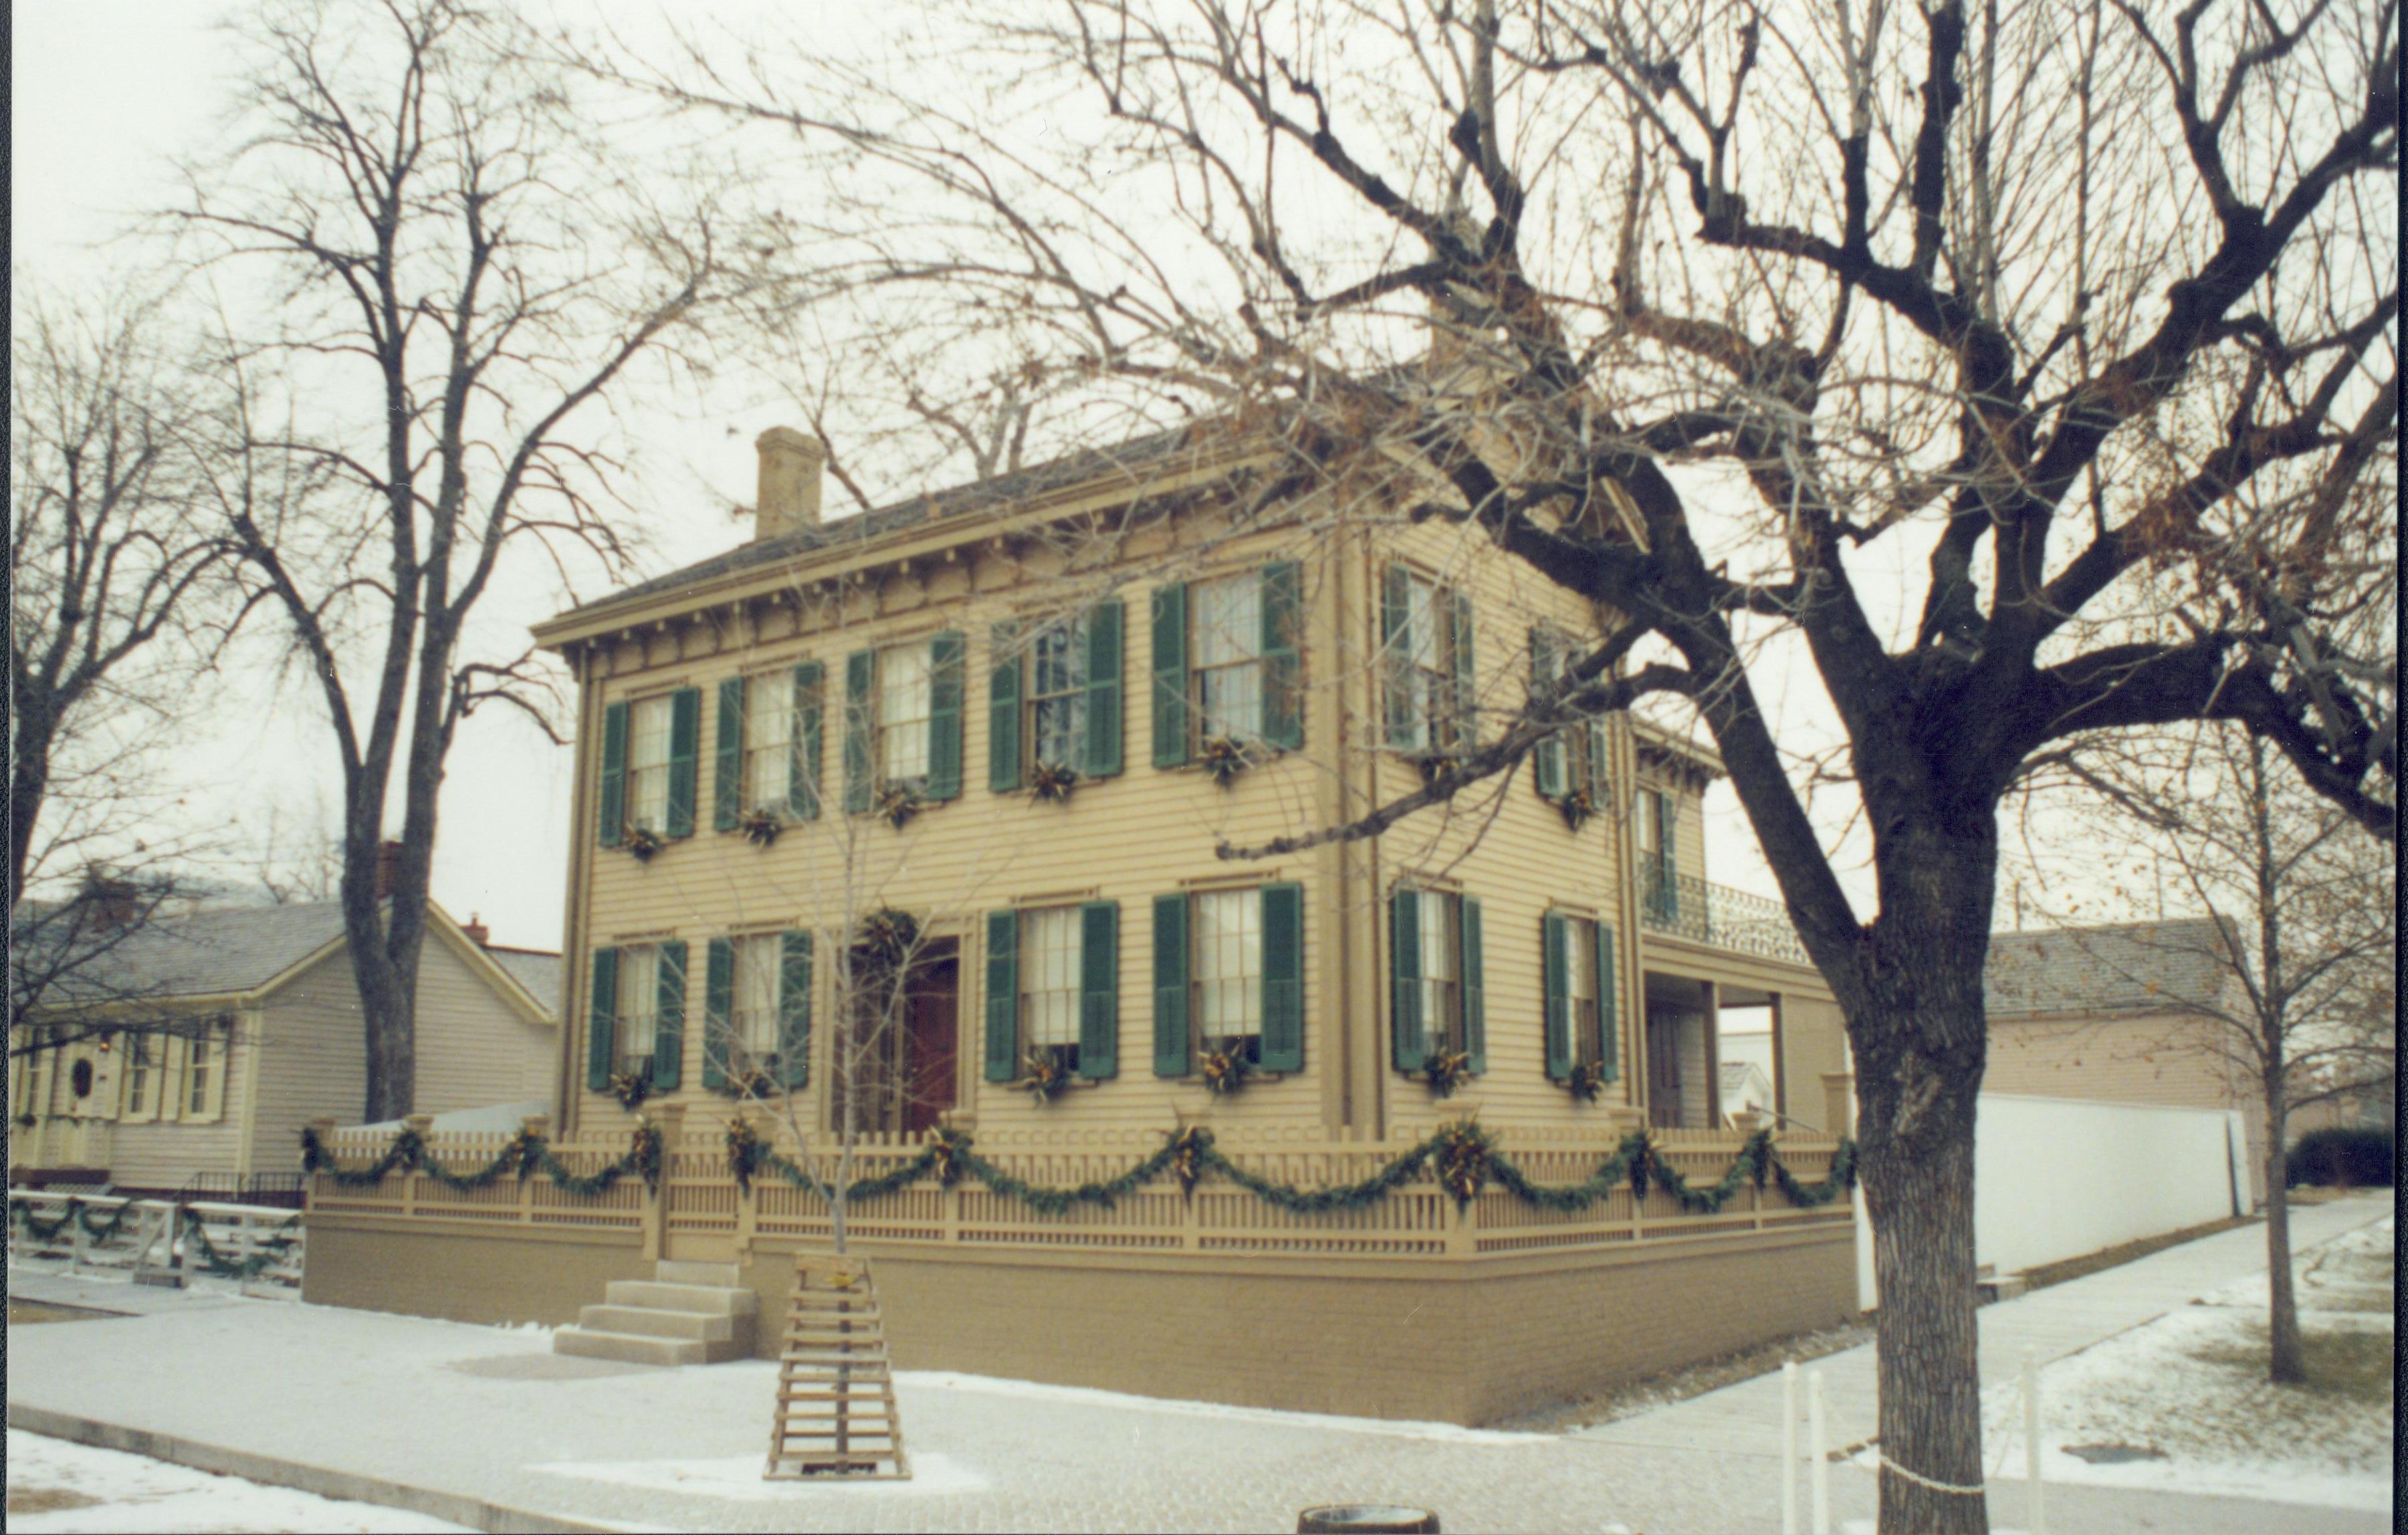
(491, 1414)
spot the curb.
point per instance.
(347, 1485)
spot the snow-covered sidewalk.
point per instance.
(491, 1414)
(58, 1488)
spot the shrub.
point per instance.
(2361, 1158)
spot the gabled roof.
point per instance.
(535, 971)
(1737, 1074)
(218, 952)
(2135, 967)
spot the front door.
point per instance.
(1664, 1067)
(931, 1030)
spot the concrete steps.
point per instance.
(687, 1313)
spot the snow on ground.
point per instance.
(739, 1477)
(1080, 1396)
(2189, 1393)
(55, 1487)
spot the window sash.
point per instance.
(768, 735)
(1049, 978)
(1056, 699)
(198, 1065)
(754, 1024)
(632, 1033)
(648, 763)
(138, 1081)
(1228, 968)
(905, 706)
(1427, 675)
(1580, 987)
(1651, 825)
(1441, 946)
(1225, 650)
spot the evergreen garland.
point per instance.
(1465, 1156)
(271, 1249)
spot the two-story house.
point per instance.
(1064, 747)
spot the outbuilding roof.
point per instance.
(2134, 967)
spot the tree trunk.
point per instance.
(2285, 1364)
(1918, 1184)
(29, 772)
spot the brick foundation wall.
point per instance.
(1455, 1341)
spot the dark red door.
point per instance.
(931, 1032)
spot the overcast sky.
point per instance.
(105, 93)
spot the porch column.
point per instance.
(1710, 1025)
(1838, 1088)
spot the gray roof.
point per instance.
(538, 971)
(236, 948)
(2125, 968)
(1736, 1073)
(1123, 460)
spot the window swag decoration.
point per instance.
(1051, 780)
(1447, 1070)
(1044, 1076)
(1224, 1071)
(898, 803)
(641, 843)
(747, 1084)
(631, 1088)
(760, 828)
(888, 934)
(1588, 1080)
(1576, 806)
(1223, 757)
(525, 1155)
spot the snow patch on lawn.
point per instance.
(2191, 1386)
(738, 1477)
(134, 1493)
(1442, 1433)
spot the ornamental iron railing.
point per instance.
(1686, 906)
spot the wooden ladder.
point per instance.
(835, 1387)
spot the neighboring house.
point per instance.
(208, 1040)
(2105, 1013)
(862, 714)
(1747, 1092)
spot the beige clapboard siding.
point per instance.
(1513, 852)
(313, 1059)
(474, 1049)
(166, 1153)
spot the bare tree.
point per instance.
(454, 267)
(2305, 947)
(1702, 311)
(112, 608)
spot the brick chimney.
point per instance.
(388, 868)
(788, 497)
(115, 902)
(479, 934)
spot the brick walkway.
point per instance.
(493, 1414)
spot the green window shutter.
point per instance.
(1600, 766)
(1555, 943)
(1282, 612)
(948, 673)
(1465, 727)
(685, 742)
(1283, 978)
(718, 1011)
(728, 780)
(1099, 989)
(1173, 1046)
(860, 679)
(1405, 979)
(803, 771)
(601, 1014)
(610, 823)
(1609, 1004)
(1395, 613)
(1101, 750)
(1475, 986)
(1002, 995)
(1667, 819)
(668, 1018)
(1003, 711)
(1547, 758)
(1170, 676)
(794, 1009)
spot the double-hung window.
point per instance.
(648, 765)
(635, 1016)
(1437, 991)
(141, 1078)
(1575, 758)
(768, 761)
(1578, 994)
(903, 721)
(1427, 632)
(757, 1011)
(1227, 664)
(636, 1010)
(1052, 990)
(1652, 815)
(1054, 698)
(1228, 978)
(1058, 693)
(193, 1080)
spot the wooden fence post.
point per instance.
(669, 1119)
(540, 1126)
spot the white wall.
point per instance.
(2057, 1178)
